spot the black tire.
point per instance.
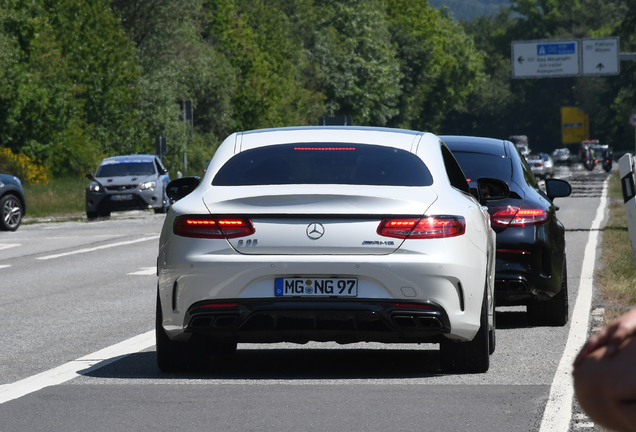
(11, 212)
(162, 210)
(175, 356)
(469, 357)
(554, 312)
(170, 355)
(91, 216)
(492, 336)
(193, 355)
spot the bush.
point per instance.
(23, 167)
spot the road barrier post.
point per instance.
(626, 166)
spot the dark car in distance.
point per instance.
(12, 202)
(531, 256)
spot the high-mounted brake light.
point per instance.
(518, 216)
(212, 227)
(325, 148)
(428, 227)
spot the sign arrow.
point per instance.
(600, 66)
(520, 59)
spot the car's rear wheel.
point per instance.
(473, 356)
(553, 312)
(175, 356)
(193, 355)
(492, 337)
(11, 213)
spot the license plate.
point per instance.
(344, 287)
(122, 197)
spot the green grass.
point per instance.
(616, 277)
(59, 197)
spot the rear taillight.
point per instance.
(423, 228)
(518, 216)
(212, 227)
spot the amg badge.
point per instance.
(378, 243)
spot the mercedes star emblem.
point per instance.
(315, 230)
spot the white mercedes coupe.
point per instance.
(344, 234)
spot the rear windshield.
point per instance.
(120, 169)
(320, 163)
(477, 165)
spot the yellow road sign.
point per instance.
(575, 125)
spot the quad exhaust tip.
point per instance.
(415, 321)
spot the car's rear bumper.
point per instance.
(520, 278)
(302, 320)
(452, 283)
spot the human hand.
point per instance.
(610, 337)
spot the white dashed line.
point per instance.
(5, 266)
(145, 271)
(79, 251)
(8, 245)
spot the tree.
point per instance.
(67, 83)
(257, 40)
(439, 64)
(351, 46)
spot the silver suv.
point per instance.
(133, 182)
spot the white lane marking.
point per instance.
(108, 236)
(5, 266)
(8, 245)
(75, 368)
(145, 271)
(558, 411)
(79, 251)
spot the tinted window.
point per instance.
(455, 173)
(119, 169)
(320, 163)
(477, 165)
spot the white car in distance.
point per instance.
(345, 234)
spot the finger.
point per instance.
(616, 339)
(595, 342)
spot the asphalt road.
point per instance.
(70, 289)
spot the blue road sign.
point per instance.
(556, 49)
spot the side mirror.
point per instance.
(491, 189)
(557, 188)
(90, 176)
(182, 187)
